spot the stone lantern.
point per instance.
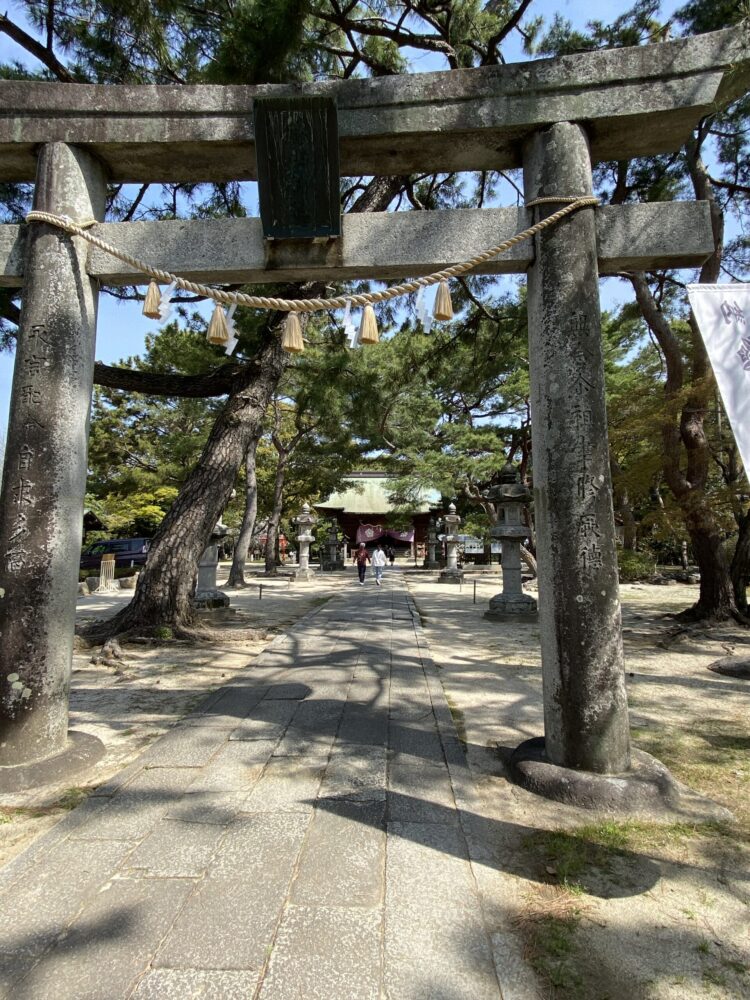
(511, 496)
(304, 522)
(333, 560)
(206, 593)
(451, 573)
(432, 539)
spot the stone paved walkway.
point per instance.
(302, 835)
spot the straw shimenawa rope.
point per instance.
(67, 224)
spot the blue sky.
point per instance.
(121, 325)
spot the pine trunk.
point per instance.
(241, 549)
(165, 587)
(275, 518)
(716, 596)
(529, 559)
(740, 568)
(630, 528)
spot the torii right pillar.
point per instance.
(585, 704)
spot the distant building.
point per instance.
(364, 513)
(91, 522)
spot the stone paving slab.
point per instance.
(323, 953)
(110, 944)
(213, 808)
(39, 907)
(297, 836)
(267, 721)
(436, 944)
(287, 785)
(420, 795)
(226, 924)
(175, 849)
(235, 768)
(132, 813)
(343, 860)
(196, 984)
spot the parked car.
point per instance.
(127, 552)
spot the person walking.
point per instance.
(391, 553)
(361, 558)
(378, 563)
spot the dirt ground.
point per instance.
(606, 908)
(599, 901)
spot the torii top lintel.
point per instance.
(634, 102)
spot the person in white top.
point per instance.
(378, 563)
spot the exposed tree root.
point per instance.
(126, 628)
(111, 654)
(698, 615)
(110, 636)
(693, 625)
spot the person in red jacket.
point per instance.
(361, 558)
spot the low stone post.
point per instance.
(431, 562)
(304, 522)
(44, 480)
(207, 595)
(451, 573)
(511, 496)
(585, 704)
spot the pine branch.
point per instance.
(378, 28)
(219, 382)
(513, 21)
(36, 49)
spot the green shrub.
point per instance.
(635, 565)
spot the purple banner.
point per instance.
(372, 532)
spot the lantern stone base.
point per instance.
(333, 567)
(434, 564)
(210, 599)
(451, 576)
(648, 788)
(302, 574)
(82, 752)
(517, 608)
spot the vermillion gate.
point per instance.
(554, 118)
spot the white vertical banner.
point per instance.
(723, 316)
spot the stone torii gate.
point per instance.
(553, 117)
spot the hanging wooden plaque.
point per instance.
(297, 150)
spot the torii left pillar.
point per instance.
(44, 478)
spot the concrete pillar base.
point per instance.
(81, 752)
(648, 788)
(451, 576)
